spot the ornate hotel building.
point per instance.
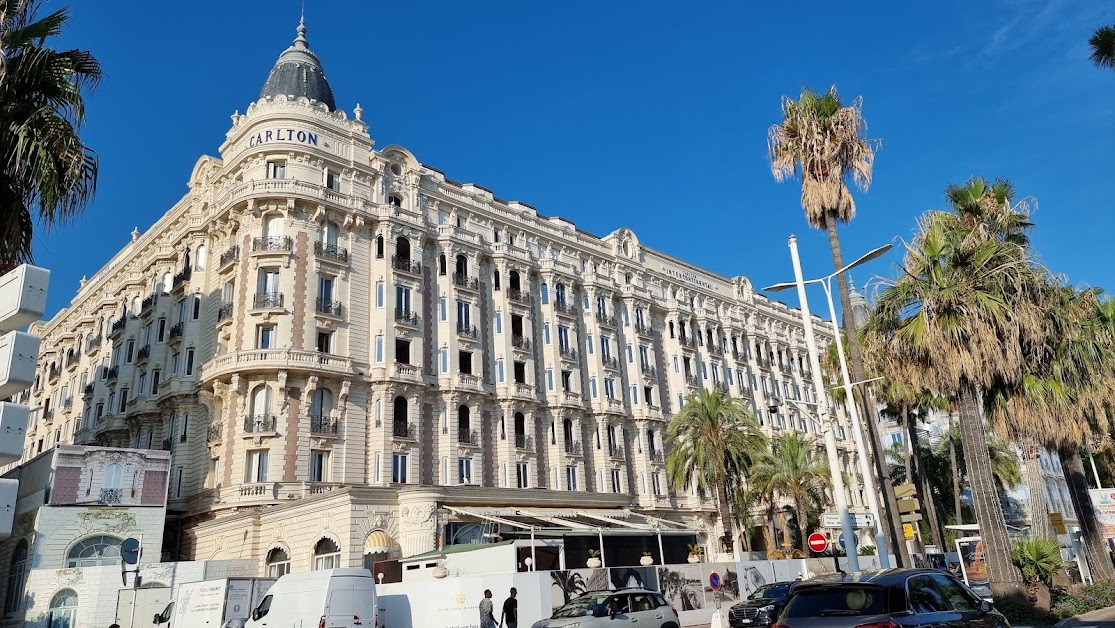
(348, 353)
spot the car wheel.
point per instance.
(670, 625)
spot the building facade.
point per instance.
(336, 342)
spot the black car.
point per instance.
(761, 608)
(893, 598)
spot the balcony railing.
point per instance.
(88, 392)
(642, 328)
(72, 359)
(520, 342)
(657, 455)
(616, 453)
(404, 264)
(331, 251)
(650, 371)
(323, 425)
(118, 326)
(229, 256)
(93, 343)
(722, 387)
(329, 308)
(523, 441)
(468, 379)
(54, 373)
(214, 433)
(610, 361)
(179, 327)
(604, 319)
(68, 402)
(402, 429)
(149, 302)
(181, 278)
(113, 373)
(144, 353)
(468, 437)
(260, 423)
(468, 331)
(407, 317)
(561, 307)
(688, 342)
(265, 300)
(110, 496)
(715, 350)
(519, 296)
(573, 447)
(224, 312)
(278, 244)
(691, 380)
(569, 353)
(464, 281)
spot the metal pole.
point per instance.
(857, 437)
(533, 558)
(1092, 460)
(600, 535)
(135, 583)
(840, 496)
(661, 552)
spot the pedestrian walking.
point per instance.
(487, 611)
(510, 614)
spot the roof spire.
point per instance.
(300, 41)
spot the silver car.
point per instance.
(598, 609)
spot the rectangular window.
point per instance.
(402, 299)
(584, 302)
(399, 468)
(630, 354)
(522, 475)
(257, 466)
(129, 352)
(324, 342)
(189, 361)
(615, 481)
(178, 484)
(546, 333)
(442, 309)
(142, 384)
(464, 471)
(464, 314)
(123, 399)
(325, 289)
(571, 478)
(656, 483)
(520, 372)
(319, 465)
(626, 318)
(550, 379)
(563, 337)
(715, 374)
(444, 360)
(402, 351)
(379, 294)
(592, 387)
(265, 338)
(634, 395)
(704, 371)
(644, 357)
(567, 380)
(174, 360)
(379, 349)
(155, 377)
(147, 329)
(499, 371)
(214, 469)
(728, 375)
(605, 347)
(276, 169)
(464, 362)
(589, 338)
(181, 311)
(197, 306)
(332, 181)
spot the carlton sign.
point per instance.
(283, 135)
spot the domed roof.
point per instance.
(298, 72)
(861, 308)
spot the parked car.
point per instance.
(762, 607)
(330, 598)
(597, 609)
(894, 598)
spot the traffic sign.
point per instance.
(818, 542)
(842, 541)
(1058, 522)
(909, 505)
(905, 490)
(129, 551)
(859, 520)
(911, 518)
(908, 530)
(714, 581)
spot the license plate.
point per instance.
(745, 621)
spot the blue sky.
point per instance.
(651, 115)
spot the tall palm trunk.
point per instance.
(926, 491)
(803, 523)
(726, 543)
(958, 511)
(1035, 486)
(770, 523)
(867, 410)
(1095, 544)
(1005, 580)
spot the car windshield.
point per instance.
(771, 590)
(581, 606)
(837, 600)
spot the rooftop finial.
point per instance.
(300, 40)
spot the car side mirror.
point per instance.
(255, 614)
(598, 610)
(158, 619)
(986, 606)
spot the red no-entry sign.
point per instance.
(818, 542)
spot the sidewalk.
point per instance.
(1103, 618)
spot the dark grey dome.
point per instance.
(298, 73)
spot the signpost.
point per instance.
(818, 542)
(1057, 520)
(714, 583)
(859, 520)
(908, 530)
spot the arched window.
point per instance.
(495, 280)
(63, 610)
(379, 247)
(567, 433)
(17, 578)
(273, 226)
(136, 303)
(559, 293)
(462, 266)
(395, 200)
(329, 233)
(321, 403)
(544, 292)
(202, 256)
(399, 416)
(168, 282)
(402, 248)
(326, 555)
(93, 551)
(520, 430)
(650, 442)
(611, 439)
(114, 476)
(261, 402)
(464, 425)
(513, 281)
(708, 334)
(278, 563)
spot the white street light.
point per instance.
(857, 435)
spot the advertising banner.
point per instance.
(1103, 500)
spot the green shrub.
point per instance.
(1085, 599)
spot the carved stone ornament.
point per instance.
(417, 515)
(116, 520)
(69, 577)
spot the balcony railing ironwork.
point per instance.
(180, 326)
(331, 251)
(616, 452)
(610, 361)
(224, 312)
(181, 277)
(113, 373)
(573, 447)
(110, 496)
(464, 281)
(404, 264)
(329, 308)
(561, 307)
(149, 302)
(92, 343)
(88, 391)
(213, 434)
(402, 429)
(118, 326)
(468, 331)
(260, 423)
(519, 296)
(144, 353)
(687, 342)
(650, 371)
(524, 441)
(230, 255)
(323, 425)
(605, 319)
(468, 437)
(278, 244)
(520, 342)
(407, 317)
(268, 300)
(569, 353)
(642, 328)
(691, 380)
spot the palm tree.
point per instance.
(1103, 47)
(823, 142)
(716, 438)
(954, 321)
(793, 469)
(49, 174)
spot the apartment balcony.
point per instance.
(72, 359)
(54, 373)
(687, 343)
(520, 342)
(224, 313)
(642, 329)
(616, 452)
(568, 353)
(323, 426)
(255, 360)
(268, 300)
(606, 320)
(88, 390)
(519, 296)
(571, 397)
(610, 362)
(403, 430)
(615, 405)
(331, 252)
(405, 265)
(523, 441)
(67, 403)
(93, 344)
(715, 350)
(329, 308)
(652, 411)
(118, 327)
(649, 371)
(110, 496)
(408, 372)
(565, 309)
(144, 354)
(260, 424)
(215, 433)
(48, 416)
(113, 373)
(521, 389)
(407, 317)
(464, 281)
(468, 437)
(273, 244)
(657, 455)
(722, 387)
(573, 448)
(228, 257)
(175, 335)
(468, 331)
(467, 380)
(180, 279)
(148, 303)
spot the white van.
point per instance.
(331, 598)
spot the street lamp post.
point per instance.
(862, 455)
